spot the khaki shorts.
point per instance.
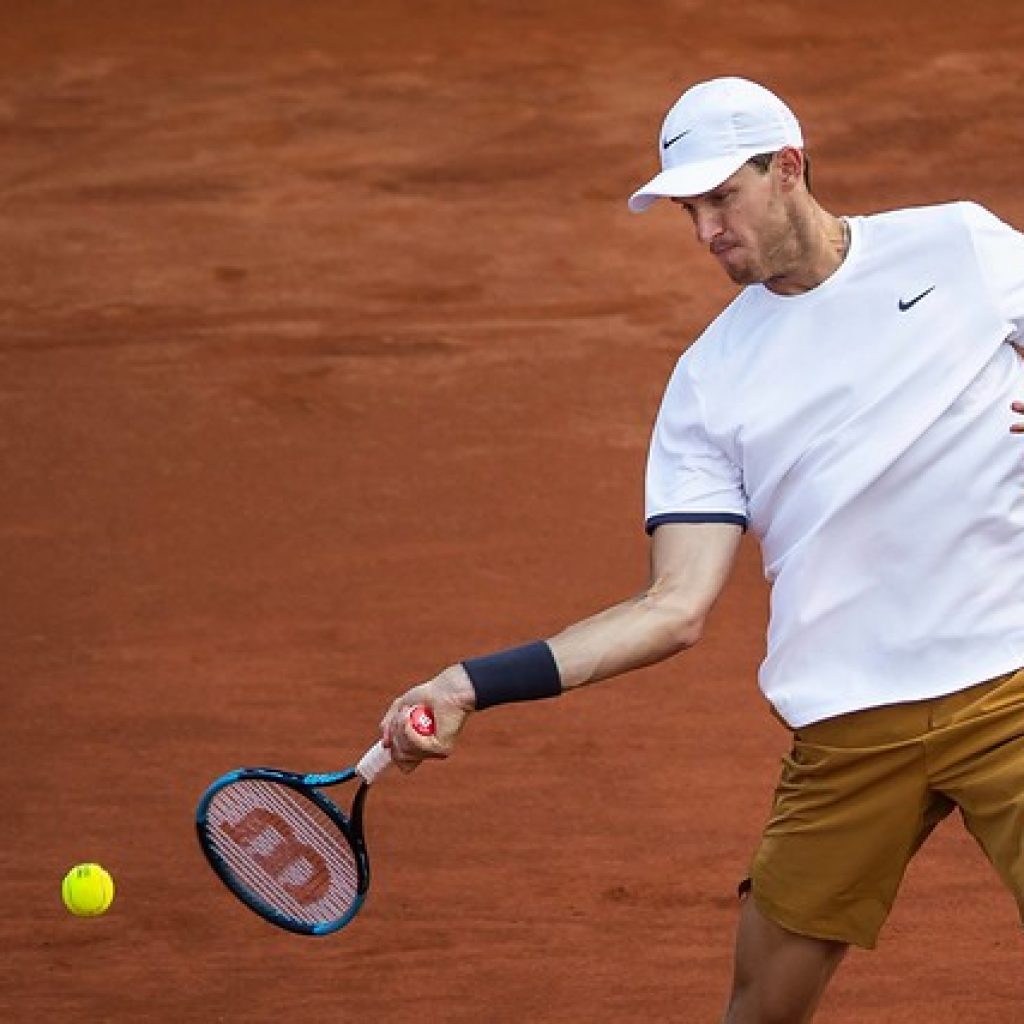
(860, 793)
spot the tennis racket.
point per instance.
(288, 851)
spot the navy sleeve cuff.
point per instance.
(696, 517)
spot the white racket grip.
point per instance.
(373, 762)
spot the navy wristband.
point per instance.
(520, 673)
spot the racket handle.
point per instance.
(378, 757)
(373, 762)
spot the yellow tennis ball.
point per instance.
(87, 890)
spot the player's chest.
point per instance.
(801, 376)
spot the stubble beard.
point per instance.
(779, 252)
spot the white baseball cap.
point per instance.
(714, 128)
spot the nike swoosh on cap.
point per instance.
(675, 139)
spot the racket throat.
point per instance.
(356, 825)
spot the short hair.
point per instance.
(764, 160)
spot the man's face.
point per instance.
(744, 224)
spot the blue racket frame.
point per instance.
(350, 826)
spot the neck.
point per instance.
(817, 245)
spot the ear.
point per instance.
(789, 167)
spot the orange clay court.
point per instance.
(329, 354)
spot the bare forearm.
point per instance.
(638, 632)
(689, 566)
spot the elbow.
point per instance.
(686, 631)
(680, 621)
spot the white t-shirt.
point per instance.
(861, 430)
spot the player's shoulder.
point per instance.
(936, 218)
(948, 233)
(916, 217)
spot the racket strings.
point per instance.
(284, 850)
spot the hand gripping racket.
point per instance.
(285, 849)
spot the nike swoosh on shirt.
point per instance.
(675, 139)
(904, 306)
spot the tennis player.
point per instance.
(853, 406)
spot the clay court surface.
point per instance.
(328, 355)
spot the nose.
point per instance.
(707, 224)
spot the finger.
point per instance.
(386, 730)
(387, 723)
(414, 739)
(405, 763)
(418, 736)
